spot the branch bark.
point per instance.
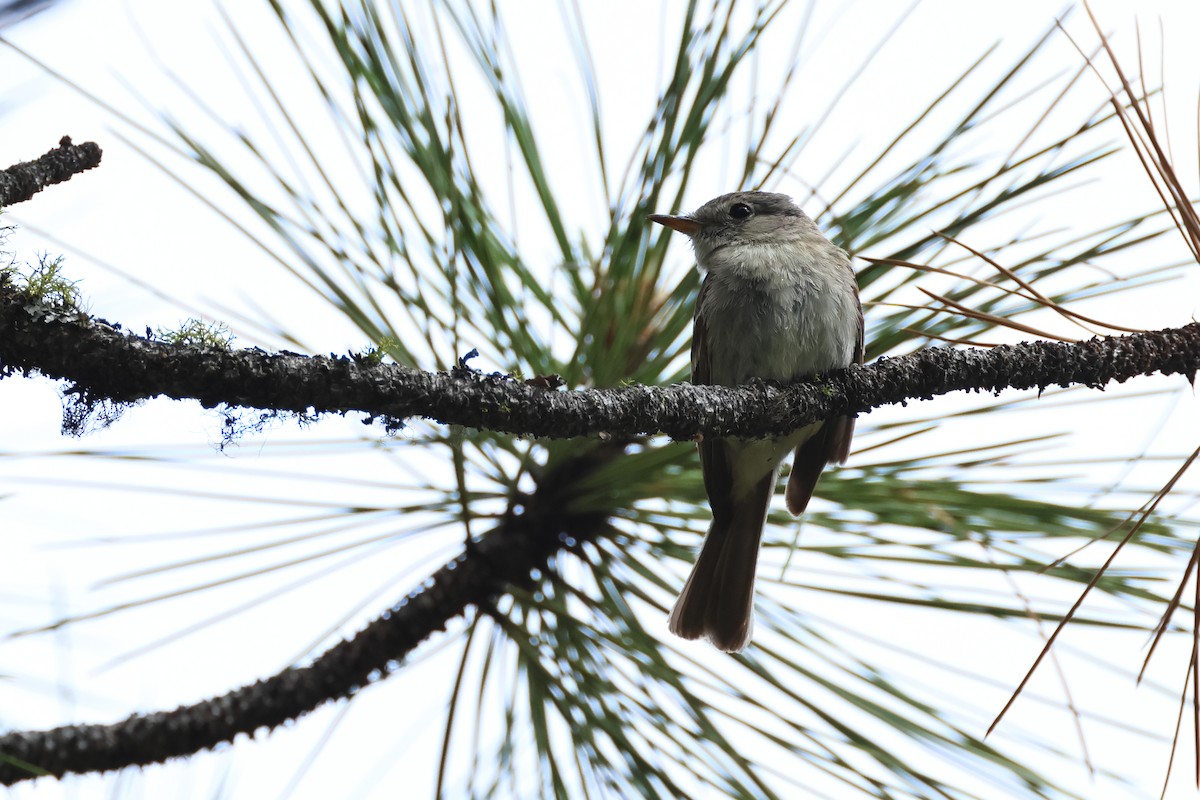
(22, 181)
(104, 362)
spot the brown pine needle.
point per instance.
(1165, 619)
(994, 319)
(1066, 557)
(1142, 517)
(1145, 509)
(1196, 679)
(1148, 146)
(896, 262)
(899, 262)
(932, 311)
(889, 442)
(1037, 295)
(948, 339)
(1072, 708)
(1059, 629)
(1178, 722)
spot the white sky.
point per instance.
(127, 213)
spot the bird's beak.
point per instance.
(685, 225)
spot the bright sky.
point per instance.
(131, 215)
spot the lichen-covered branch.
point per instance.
(22, 181)
(499, 561)
(104, 362)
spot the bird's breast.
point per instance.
(779, 313)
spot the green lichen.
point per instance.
(197, 333)
(46, 284)
(375, 355)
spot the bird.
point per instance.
(778, 302)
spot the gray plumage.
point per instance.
(779, 301)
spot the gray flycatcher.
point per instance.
(779, 302)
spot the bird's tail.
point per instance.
(717, 601)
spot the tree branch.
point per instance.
(104, 362)
(497, 562)
(22, 181)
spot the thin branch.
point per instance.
(22, 181)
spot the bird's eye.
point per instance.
(740, 211)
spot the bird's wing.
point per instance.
(831, 444)
(841, 430)
(714, 458)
